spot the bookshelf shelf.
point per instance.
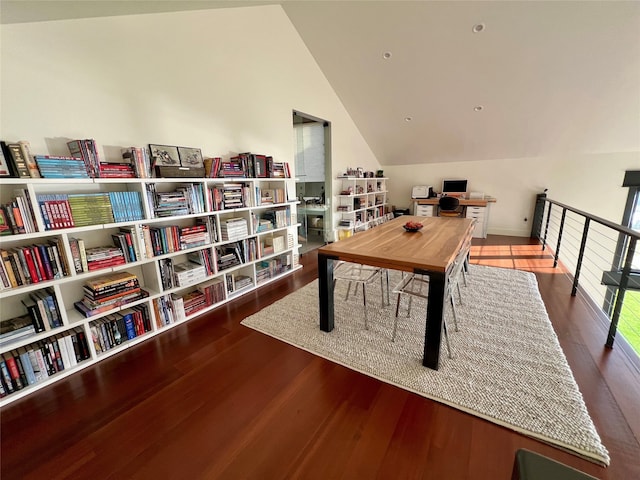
(160, 309)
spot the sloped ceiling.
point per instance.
(541, 78)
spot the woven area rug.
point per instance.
(507, 364)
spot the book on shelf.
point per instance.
(30, 160)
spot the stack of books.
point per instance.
(193, 302)
(237, 282)
(61, 167)
(116, 170)
(108, 292)
(104, 257)
(188, 273)
(170, 204)
(233, 196)
(232, 168)
(228, 257)
(233, 228)
(195, 236)
(16, 328)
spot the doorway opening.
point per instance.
(312, 147)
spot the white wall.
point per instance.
(227, 81)
(588, 182)
(224, 80)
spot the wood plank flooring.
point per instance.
(212, 399)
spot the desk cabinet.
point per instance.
(424, 210)
(481, 215)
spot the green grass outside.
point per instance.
(629, 324)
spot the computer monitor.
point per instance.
(454, 187)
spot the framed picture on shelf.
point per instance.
(164, 155)
(190, 157)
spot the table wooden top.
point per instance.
(433, 248)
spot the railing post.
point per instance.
(546, 227)
(622, 288)
(583, 244)
(557, 255)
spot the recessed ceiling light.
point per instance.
(408, 119)
(478, 108)
(386, 55)
(478, 27)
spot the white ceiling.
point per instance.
(552, 77)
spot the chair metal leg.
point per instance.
(446, 338)
(364, 296)
(455, 316)
(395, 322)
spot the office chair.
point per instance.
(449, 207)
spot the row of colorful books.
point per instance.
(84, 161)
(31, 264)
(38, 361)
(83, 209)
(119, 327)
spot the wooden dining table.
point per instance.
(429, 251)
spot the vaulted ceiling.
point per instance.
(451, 80)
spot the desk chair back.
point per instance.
(449, 207)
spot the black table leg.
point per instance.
(325, 288)
(435, 312)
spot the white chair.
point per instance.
(361, 275)
(415, 285)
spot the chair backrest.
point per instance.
(448, 203)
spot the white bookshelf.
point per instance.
(361, 204)
(277, 245)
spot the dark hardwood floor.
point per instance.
(213, 399)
